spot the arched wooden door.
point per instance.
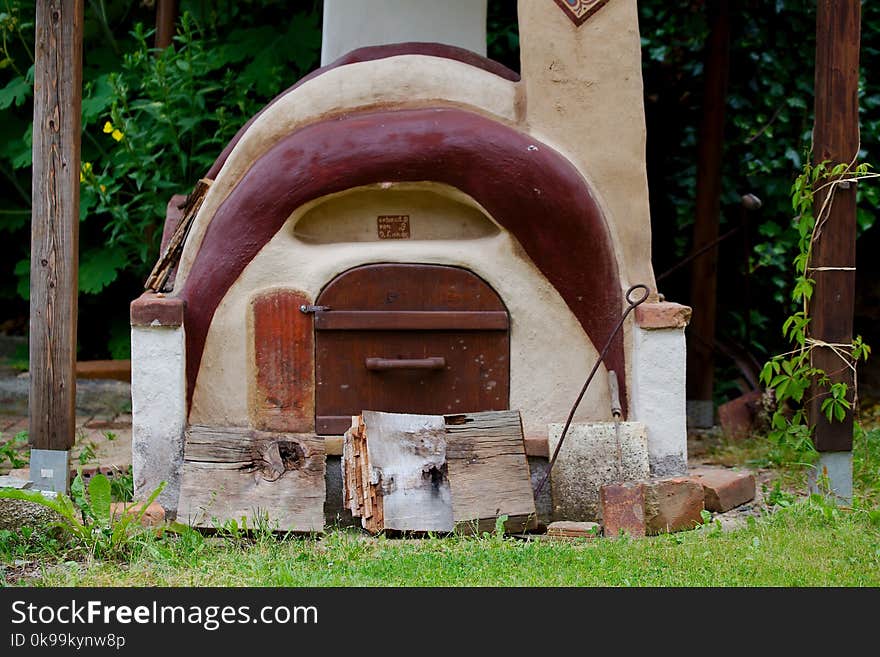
(409, 338)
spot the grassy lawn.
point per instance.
(798, 541)
(806, 544)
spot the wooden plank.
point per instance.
(488, 472)
(411, 320)
(284, 387)
(232, 472)
(55, 222)
(836, 139)
(708, 205)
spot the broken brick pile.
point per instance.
(672, 504)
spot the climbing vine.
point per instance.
(792, 375)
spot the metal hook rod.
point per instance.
(632, 304)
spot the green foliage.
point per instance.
(791, 375)
(768, 125)
(10, 450)
(152, 124)
(85, 516)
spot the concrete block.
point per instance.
(158, 389)
(588, 459)
(623, 508)
(725, 489)
(673, 504)
(658, 396)
(835, 469)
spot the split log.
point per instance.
(435, 473)
(395, 472)
(171, 256)
(488, 471)
(230, 473)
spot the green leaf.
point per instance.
(15, 92)
(99, 495)
(100, 96)
(23, 273)
(100, 267)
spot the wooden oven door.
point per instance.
(409, 338)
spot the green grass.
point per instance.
(806, 544)
(802, 541)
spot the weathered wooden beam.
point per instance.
(231, 472)
(55, 223)
(708, 204)
(835, 139)
(488, 471)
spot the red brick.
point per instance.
(672, 504)
(623, 508)
(737, 416)
(662, 315)
(724, 489)
(156, 309)
(153, 516)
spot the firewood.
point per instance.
(171, 256)
(435, 473)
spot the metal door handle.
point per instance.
(384, 364)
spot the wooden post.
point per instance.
(166, 16)
(708, 207)
(55, 235)
(835, 138)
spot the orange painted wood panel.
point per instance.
(284, 363)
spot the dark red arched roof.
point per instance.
(368, 54)
(529, 188)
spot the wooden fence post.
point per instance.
(166, 15)
(700, 356)
(836, 139)
(55, 239)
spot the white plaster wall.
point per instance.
(658, 396)
(158, 405)
(352, 24)
(550, 353)
(410, 80)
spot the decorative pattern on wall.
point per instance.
(580, 10)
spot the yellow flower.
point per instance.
(103, 188)
(108, 127)
(82, 178)
(117, 135)
(86, 168)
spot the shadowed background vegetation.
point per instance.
(153, 124)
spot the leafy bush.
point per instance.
(153, 122)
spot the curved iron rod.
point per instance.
(633, 303)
